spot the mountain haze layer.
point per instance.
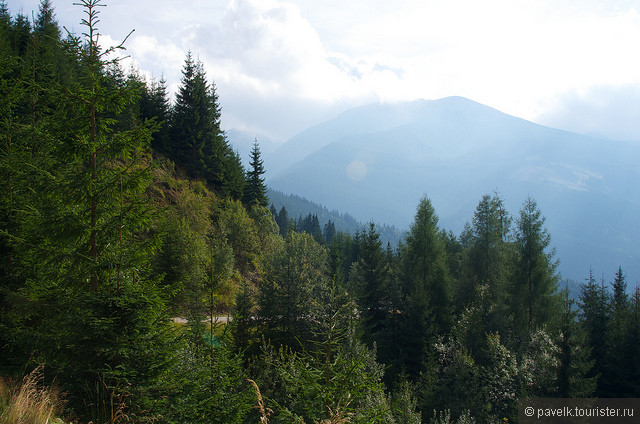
(376, 162)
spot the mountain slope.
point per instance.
(454, 150)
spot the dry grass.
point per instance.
(264, 411)
(29, 402)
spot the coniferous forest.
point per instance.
(130, 231)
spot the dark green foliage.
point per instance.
(370, 279)
(487, 252)
(101, 240)
(197, 142)
(80, 302)
(594, 306)
(154, 104)
(282, 219)
(427, 298)
(255, 191)
(533, 292)
(574, 356)
(310, 224)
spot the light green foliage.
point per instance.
(500, 379)
(444, 417)
(203, 383)
(404, 404)
(458, 379)
(185, 257)
(335, 376)
(539, 365)
(293, 289)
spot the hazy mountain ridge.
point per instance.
(454, 150)
(299, 207)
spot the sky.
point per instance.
(281, 66)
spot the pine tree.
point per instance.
(631, 352)
(255, 191)
(283, 221)
(487, 250)
(329, 231)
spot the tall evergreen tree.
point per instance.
(620, 358)
(255, 191)
(294, 287)
(595, 316)
(535, 283)
(427, 293)
(574, 355)
(82, 237)
(282, 219)
(369, 286)
(191, 123)
(485, 261)
(154, 104)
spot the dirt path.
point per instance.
(221, 320)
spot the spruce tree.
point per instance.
(486, 259)
(255, 191)
(532, 294)
(620, 357)
(154, 104)
(83, 240)
(595, 317)
(427, 309)
(574, 380)
(190, 121)
(369, 286)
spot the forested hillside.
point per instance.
(122, 210)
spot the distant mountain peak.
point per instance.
(376, 161)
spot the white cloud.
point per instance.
(610, 111)
(516, 55)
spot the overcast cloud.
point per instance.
(281, 66)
